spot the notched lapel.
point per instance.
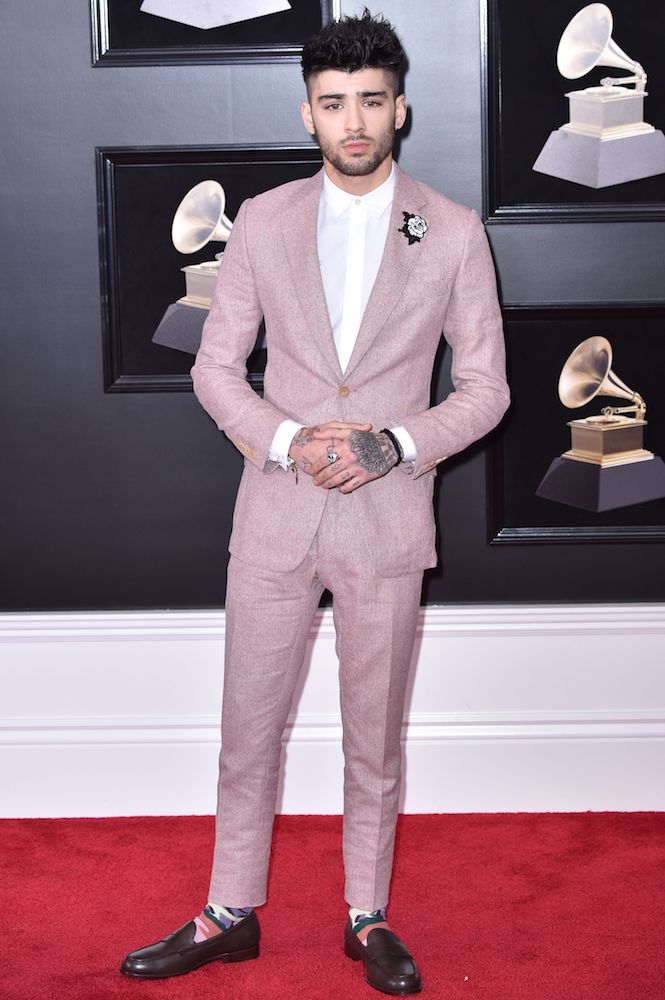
(300, 240)
(396, 264)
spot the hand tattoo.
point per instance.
(374, 452)
(302, 439)
(304, 436)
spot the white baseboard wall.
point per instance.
(510, 708)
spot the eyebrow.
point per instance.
(359, 93)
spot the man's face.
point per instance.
(354, 117)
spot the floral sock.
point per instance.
(364, 921)
(216, 919)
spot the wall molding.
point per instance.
(460, 620)
(510, 708)
(420, 727)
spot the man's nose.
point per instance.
(355, 121)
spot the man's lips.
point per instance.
(358, 146)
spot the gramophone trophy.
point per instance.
(606, 140)
(199, 220)
(212, 13)
(606, 466)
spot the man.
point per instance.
(356, 271)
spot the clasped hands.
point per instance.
(361, 455)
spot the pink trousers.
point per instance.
(268, 619)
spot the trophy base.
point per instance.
(604, 461)
(194, 302)
(200, 281)
(180, 328)
(204, 14)
(598, 163)
(590, 487)
(607, 440)
(607, 111)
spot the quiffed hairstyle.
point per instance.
(354, 43)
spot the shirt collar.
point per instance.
(376, 200)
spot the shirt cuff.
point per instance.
(279, 449)
(407, 443)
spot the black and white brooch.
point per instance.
(414, 227)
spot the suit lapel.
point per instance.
(301, 250)
(398, 259)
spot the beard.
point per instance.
(358, 165)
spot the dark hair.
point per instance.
(354, 43)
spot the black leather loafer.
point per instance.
(178, 953)
(389, 966)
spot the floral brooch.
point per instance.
(414, 227)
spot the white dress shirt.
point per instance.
(351, 234)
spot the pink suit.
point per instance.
(369, 548)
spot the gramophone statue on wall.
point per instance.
(606, 466)
(208, 14)
(199, 220)
(606, 140)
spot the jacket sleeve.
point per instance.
(474, 330)
(229, 335)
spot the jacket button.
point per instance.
(344, 390)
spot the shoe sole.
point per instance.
(231, 956)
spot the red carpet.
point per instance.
(512, 906)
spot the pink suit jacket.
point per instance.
(444, 283)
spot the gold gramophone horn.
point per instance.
(588, 373)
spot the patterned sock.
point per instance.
(216, 919)
(364, 921)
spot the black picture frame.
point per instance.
(122, 35)
(524, 100)
(139, 189)
(535, 431)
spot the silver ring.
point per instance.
(332, 457)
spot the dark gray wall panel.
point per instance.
(114, 501)
(570, 263)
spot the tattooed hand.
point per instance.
(307, 450)
(363, 456)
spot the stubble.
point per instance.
(359, 165)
